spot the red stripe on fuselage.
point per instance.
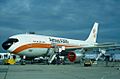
(37, 45)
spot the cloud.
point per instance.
(64, 18)
(16, 6)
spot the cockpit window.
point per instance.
(12, 40)
(9, 42)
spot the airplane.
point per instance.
(33, 45)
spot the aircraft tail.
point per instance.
(93, 34)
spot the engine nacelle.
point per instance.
(74, 56)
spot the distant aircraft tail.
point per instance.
(93, 34)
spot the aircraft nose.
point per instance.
(6, 45)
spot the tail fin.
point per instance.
(93, 34)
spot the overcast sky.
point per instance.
(62, 18)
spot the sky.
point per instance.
(61, 18)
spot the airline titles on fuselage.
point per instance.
(53, 40)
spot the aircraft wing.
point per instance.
(109, 46)
(106, 46)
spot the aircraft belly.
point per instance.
(33, 52)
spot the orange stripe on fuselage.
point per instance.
(36, 45)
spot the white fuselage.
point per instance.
(33, 45)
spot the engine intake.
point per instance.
(75, 56)
(71, 56)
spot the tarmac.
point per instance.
(70, 71)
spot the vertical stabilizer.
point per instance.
(93, 34)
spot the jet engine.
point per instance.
(74, 56)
